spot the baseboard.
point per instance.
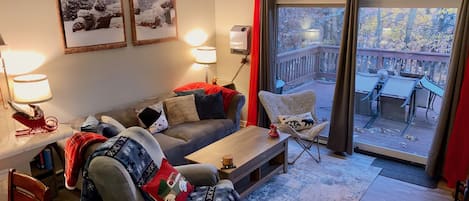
(390, 154)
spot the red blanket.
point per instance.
(74, 149)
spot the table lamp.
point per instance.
(31, 89)
(3, 68)
(205, 55)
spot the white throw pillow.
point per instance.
(112, 121)
(297, 122)
(153, 118)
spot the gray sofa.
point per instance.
(182, 139)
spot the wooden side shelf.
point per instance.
(260, 175)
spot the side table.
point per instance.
(17, 152)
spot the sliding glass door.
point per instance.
(308, 45)
(401, 72)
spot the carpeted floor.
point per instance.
(334, 179)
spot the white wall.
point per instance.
(85, 83)
(227, 14)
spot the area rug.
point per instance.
(405, 172)
(334, 179)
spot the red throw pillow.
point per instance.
(168, 184)
(211, 89)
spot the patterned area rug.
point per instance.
(334, 179)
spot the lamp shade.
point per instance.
(30, 89)
(205, 55)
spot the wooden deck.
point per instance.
(383, 132)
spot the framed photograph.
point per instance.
(89, 25)
(153, 21)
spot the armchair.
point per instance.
(113, 182)
(292, 104)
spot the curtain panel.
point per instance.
(447, 125)
(263, 58)
(341, 124)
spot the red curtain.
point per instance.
(457, 153)
(253, 87)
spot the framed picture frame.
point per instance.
(153, 21)
(91, 25)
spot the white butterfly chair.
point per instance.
(293, 104)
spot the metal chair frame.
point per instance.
(305, 138)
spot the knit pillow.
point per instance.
(181, 109)
(153, 118)
(168, 184)
(297, 122)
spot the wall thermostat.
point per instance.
(240, 39)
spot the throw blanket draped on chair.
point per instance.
(74, 149)
(131, 155)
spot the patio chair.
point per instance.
(365, 94)
(293, 104)
(434, 90)
(396, 94)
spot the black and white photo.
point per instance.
(89, 25)
(153, 21)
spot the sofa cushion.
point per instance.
(181, 109)
(210, 106)
(153, 118)
(168, 184)
(127, 115)
(201, 133)
(174, 149)
(112, 121)
(210, 89)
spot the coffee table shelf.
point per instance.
(257, 157)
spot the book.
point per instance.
(41, 163)
(48, 164)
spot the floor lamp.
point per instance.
(2, 62)
(205, 56)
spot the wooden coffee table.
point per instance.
(257, 157)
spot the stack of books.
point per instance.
(44, 160)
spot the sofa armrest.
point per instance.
(199, 174)
(234, 110)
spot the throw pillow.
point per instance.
(112, 121)
(210, 106)
(189, 92)
(168, 184)
(297, 122)
(228, 94)
(90, 124)
(181, 109)
(107, 130)
(153, 118)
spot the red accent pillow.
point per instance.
(168, 184)
(211, 89)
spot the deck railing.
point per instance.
(319, 62)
